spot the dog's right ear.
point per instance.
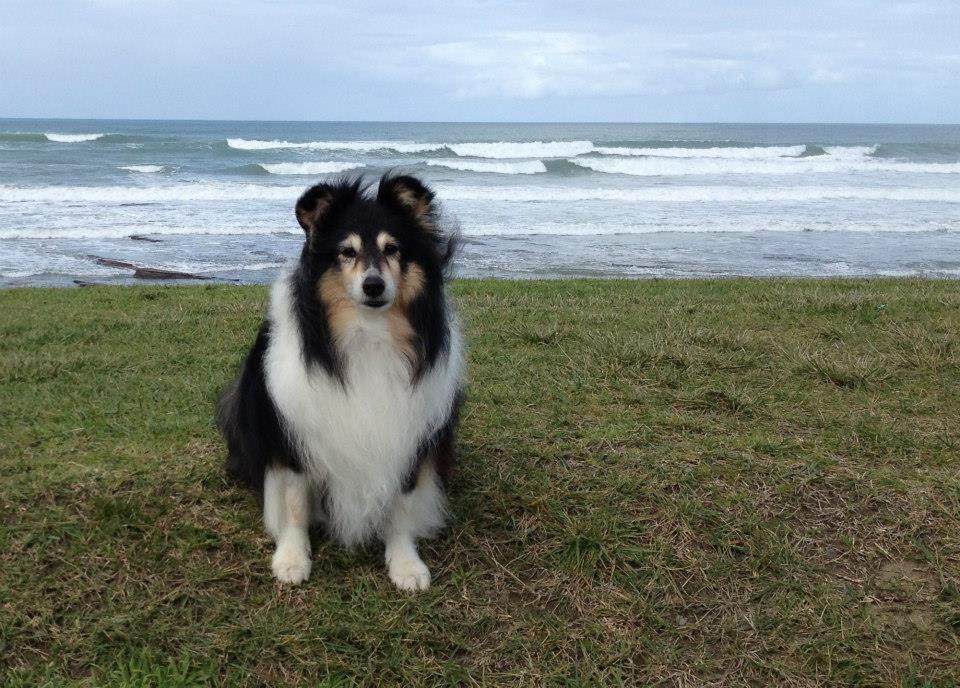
(318, 203)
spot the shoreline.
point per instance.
(70, 284)
(257, 258)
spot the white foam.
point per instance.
(666, 167)
(148, 194)
(741, 153)
(522, 149)
(309, 167)
(360, 146)
(716, 225)
(508, 150)
(518, 167)
(849, 152)
(145, 169)
(722, 152)
(697, 194)
(497, 149)
(523, 194)
(73, 138)
(87, 231)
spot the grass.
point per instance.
(742, 482)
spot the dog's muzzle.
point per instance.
(373, 288)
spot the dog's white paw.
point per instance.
(409, 574)
(291, 565)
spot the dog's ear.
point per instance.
(408, 195)
(318, 203)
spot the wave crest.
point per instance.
(73, 138)
(850, 152)
(144, 169)
(522, 149)
(847, 162)
(729, 152)
(698, 194)
(305, 168)
(680, 194)
(358, 146)
(517, 167)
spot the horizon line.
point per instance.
(501, 121)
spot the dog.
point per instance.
(345, 409)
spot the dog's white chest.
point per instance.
(359, 439)
(375, 418)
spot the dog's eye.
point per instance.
(348, 252)
(391, 250)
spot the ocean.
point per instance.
(215, 198)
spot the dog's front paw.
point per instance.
(409, 574)
(291, 565)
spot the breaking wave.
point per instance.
(711, 226)
(518, 167)
(73, 138)
(719, 152)
(522, 149)
(145, 169)
(846, 163)
(309, 167)
(498, 149)
(514, 150)
(148, 194)
(850, 152)
(359, 146)
(672, 194)
(697, 194)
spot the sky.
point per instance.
(488, 60)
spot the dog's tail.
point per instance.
(248, 420)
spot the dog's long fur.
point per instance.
(345, 410)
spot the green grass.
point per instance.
(662, 483)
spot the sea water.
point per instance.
(216, 198)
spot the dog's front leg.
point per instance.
(416, 514)
(286, 516)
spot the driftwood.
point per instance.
(140, 272)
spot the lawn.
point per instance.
(662, 483)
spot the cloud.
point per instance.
(489, 59)
(531, 65)
(527, 65)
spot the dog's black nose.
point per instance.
(373, 285)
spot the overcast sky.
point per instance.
(490, 60)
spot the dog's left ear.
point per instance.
(408, 195)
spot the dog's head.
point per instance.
(374, 251)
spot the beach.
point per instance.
(748, 481)
(215, 198)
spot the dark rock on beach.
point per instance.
(140, 272)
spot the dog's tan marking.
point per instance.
(409, 286)
(390, 263)
(403, 335)
(341, 310)
(420, 206)
(312, 206)
(384, 238)
(352, 241)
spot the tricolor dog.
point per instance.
(345, 410)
